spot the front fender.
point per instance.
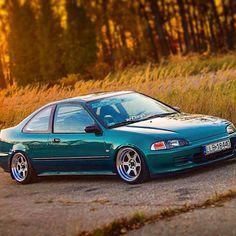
(115, 140)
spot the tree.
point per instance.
(105, 11)
(197, 25)
(232, 7)
(150, 32)
(23, 43)
(51, 38)
(228, 12)
(80, 39)
(160, 30)
(2, 78)
(182, 14)
(50, 43)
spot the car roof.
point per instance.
(92, 96)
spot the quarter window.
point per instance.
(71, 118)
(40, 123)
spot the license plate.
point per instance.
(217, 147)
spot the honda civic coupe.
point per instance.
(124, 133)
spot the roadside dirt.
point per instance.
(69, 205)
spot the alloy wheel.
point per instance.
(128, 164)
(19, 167)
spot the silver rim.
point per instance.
(128, 164)
(19, 167)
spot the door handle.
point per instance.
(56, 140)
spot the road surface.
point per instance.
(216, 221)
(69, 205)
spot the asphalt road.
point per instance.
(69, 205)
(216, 221)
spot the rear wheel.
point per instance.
(21, 169)
(131, 166)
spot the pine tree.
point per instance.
(80, 39)
(23, 45)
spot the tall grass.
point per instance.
(196, 85)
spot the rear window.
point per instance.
(40, 123)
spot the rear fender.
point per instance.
(16, 148)
(19, 147)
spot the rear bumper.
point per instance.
(186, 158)
(4, 161)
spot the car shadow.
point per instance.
(158, 178)
(75, 178)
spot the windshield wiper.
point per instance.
(123, 123)
(145, 118)
(157, 115)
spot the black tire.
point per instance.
(131, 166)
(21, 169)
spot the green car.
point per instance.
(124, 133)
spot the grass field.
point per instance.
(197, 85)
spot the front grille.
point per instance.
(179, 161)
(200, 157)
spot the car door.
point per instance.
(70, 147)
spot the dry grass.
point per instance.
(199, 85)
(139, 219)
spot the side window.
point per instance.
(71, 118)
(40, 123)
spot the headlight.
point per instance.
(169, 144)
(230, 129)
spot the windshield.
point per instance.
(128, 108)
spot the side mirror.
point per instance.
(93, 129)
(177, 109)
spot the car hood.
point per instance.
(182, 125)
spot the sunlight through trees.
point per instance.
(44, 40)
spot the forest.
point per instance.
(42, 41)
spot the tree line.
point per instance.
(46, 40)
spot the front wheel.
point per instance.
(131, 166)
(21, 169)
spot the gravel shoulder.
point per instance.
(69, 205)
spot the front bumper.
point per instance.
(188, 157)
